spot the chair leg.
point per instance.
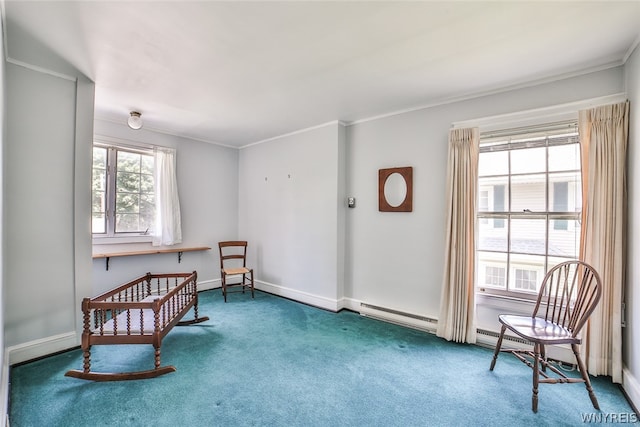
(251, 276)
(543, 358)
(224, 287)
(536, 377)
(585, 376)
(497, 350)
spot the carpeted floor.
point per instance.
(271, 361)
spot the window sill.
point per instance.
(503, 301)
(119, 240)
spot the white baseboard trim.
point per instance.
(300, 296)
(207, 285)
(631, 386)
(41, 347)
(349, 304)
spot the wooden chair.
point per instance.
(568, 295)
(233, 262)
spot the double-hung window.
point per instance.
(529, 206)
(123, 195)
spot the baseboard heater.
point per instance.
(421, 322)
(505, 338)
(398, 317)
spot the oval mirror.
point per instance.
(395, 189)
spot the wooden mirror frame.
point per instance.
(407, 203)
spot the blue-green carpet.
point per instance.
(274, 362)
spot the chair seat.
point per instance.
(232, 271)
(539, 330)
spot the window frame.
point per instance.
(112, 146)
(507, 215)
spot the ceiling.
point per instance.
(240, 72)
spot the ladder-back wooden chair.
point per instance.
(233, 265)
(568, 295)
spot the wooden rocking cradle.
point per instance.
(142, 311)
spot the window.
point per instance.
(530, 220)
(495, 276)
(123, 197)
(526, 279)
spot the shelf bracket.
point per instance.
(179, 257)
(107, 263)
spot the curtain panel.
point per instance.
(603, 145)
(168, 227)
(456, 321)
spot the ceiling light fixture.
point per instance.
(135, 121)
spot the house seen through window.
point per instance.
(123, 198)
(529, 206)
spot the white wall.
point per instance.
(4, 371)
(395, 260)
(208, 189)
(291, 188)
(43, 155)
(631, 334)
(291, 212)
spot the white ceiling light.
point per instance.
(135, 121)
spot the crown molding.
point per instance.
(165, 132)
(503, 89)
(295, 132)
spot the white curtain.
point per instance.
(603, 141)
(167, 228)
(457, 304)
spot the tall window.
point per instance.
(529, 217)
(123, 198)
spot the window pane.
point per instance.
(98, 223)
(128, 162)
(128, 182)
(483, 200)
(564, 157)
(99, 157)
(127, 223)
(492, 270)
(128, 203)
(565, 192)
(98, 191)
(146, 165)
(529, 160)
(564, 242)
(493, 190)
(528, 236)
(492, 235)
(146, 183)
(99, 182)
(525, 279)
(526, 273)
(560, 196)
(496, 163)
(553, 261)
(147, 211)
(98, 204)
(528, 193)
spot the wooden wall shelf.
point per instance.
(179, 251)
